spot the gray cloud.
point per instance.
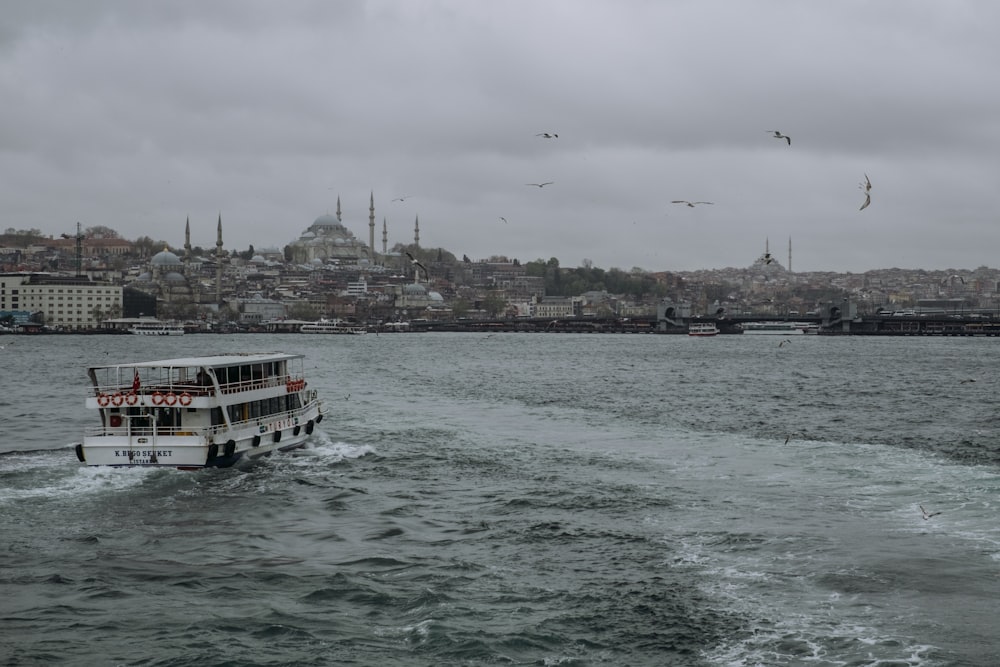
(138, 115)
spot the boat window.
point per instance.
(217, 419)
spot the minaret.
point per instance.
(416, 232)
(371, 229)
(218, 264)
(385, 240)
(187, 240)
(338, 209)
(789, 254)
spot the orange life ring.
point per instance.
(185, 398)
(132, 399)
(103, 400)
(170, 398)
(117, 399)
(157, 398)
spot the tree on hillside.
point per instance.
(100, 232)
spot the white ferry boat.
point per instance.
(157, 328)
(703, 329)
(778, 328)
(198, 412)
(331, 327)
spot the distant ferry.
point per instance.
(777, 328)
(157, 328)
(331, 327)
(703, 329)
(198, 412)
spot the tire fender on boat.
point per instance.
(79, 452)
(256, 441)
(295, 431)
(309, 427)
(213, 451)
(230, 448)
(319, 417)
(277, 435)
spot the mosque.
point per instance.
(174, 280)
(328, 241)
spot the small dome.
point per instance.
(173, 277)
(258, 259)
(414, 289)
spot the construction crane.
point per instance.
(79, 248)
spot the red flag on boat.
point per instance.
(135, 382)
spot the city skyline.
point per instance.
(136, 116)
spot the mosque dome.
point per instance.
(174, 277)
(258, 259)
(326, 220)
(165, 258)
(414, 289)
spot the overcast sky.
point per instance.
(138, 115)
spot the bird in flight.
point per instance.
(541, 185)
(692, 204)
(503, 220)
(403, 198)
(779, 135)
(547, 135)
(927, 514)
(782, 343)
(416, 263)
(867, 187)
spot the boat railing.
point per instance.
(197, 388)
(140, 431)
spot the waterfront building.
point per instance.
(63, 302)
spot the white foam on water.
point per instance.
(72, 480)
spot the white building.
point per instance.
(66, 302)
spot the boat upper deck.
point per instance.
(216, 361)
(223, 374)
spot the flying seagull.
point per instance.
(779, 135)
(541, 185)
(927, 514)
(867, 187)
(403, 198)
(503, 220)
(689, 203)
(786, 341)
(415, 262)
(548, 135)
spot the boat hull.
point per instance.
(218, 450)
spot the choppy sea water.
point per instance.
(524, 499)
